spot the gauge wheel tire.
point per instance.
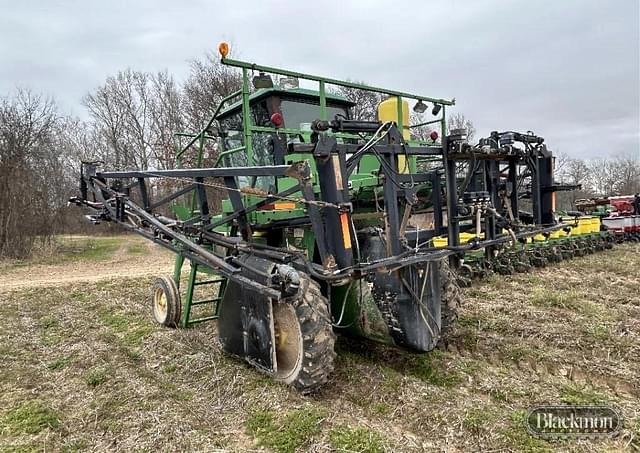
(539, 261)
(465, 276)
(451, 299)
(165, 302)
(304, 338)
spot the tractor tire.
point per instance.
(538, 260)
(485, 269)
(465, 276)
(165, 302)
(304, 338)
(451, 299)
(604, 243)
(577, 249)
(556, 254)
(608, 244)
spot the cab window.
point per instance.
(298, 112)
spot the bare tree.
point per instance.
(108, 122)
(32, 178)
(603, 176)
(459, 121)
(208, 83)
(166, 118)
(577, 172)
(569, 170)
(134, 115)
(562, 161)
(366, 102)
(628, 171)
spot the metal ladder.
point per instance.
(188, 303)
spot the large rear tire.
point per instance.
(304, 338)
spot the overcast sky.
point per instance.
(567, 69)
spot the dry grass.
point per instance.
(83, 368)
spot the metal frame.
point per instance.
(328, 205)
(190, 239)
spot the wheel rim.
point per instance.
(288, 340)
(160, 304)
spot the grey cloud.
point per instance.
(570, 70)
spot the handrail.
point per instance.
(213, 117)
(226, 153)
(344, 83)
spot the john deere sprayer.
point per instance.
(332, 224)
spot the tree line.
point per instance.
(601, 177)
(130, 123)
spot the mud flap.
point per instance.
(409, 299)
(245, 325)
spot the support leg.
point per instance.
(186, 312)
(177, 270)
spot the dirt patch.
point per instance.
(119, 257)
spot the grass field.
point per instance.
(82, 367)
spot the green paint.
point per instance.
(323, 101)
(246, 117)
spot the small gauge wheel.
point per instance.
(165, 300)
